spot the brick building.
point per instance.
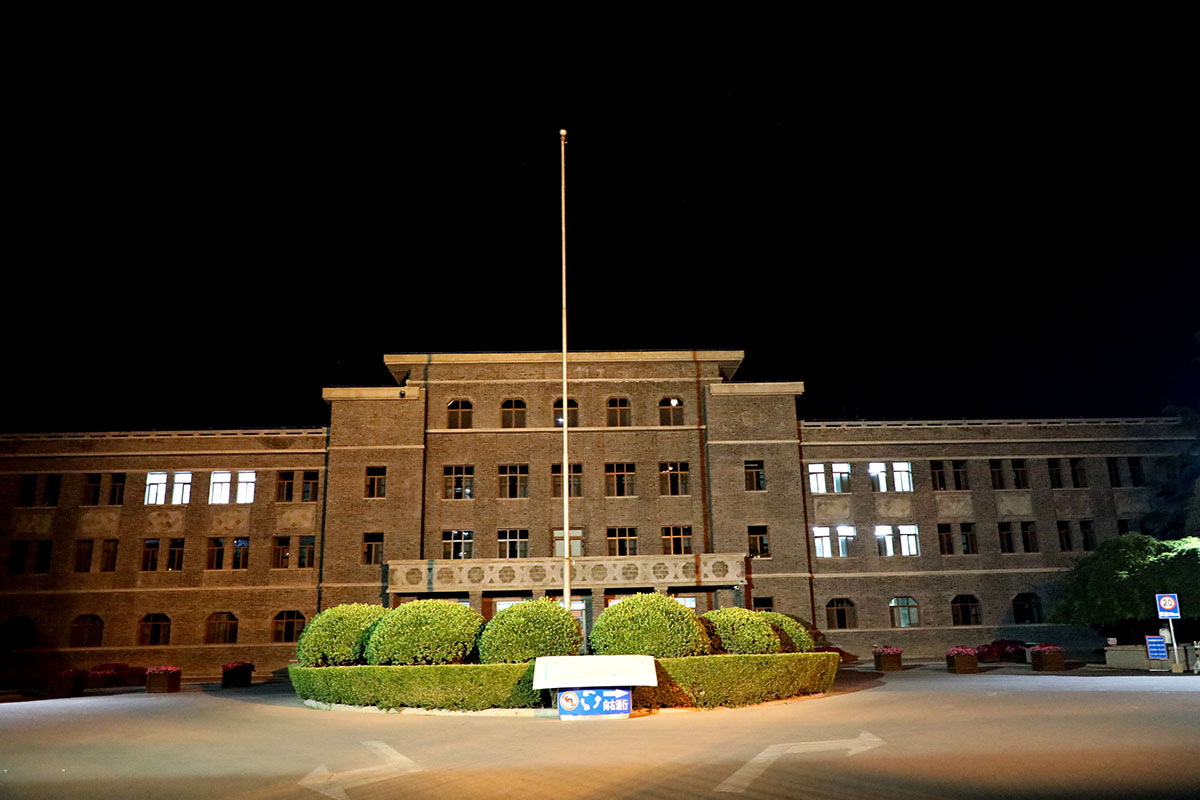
(199, 548)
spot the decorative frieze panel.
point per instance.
(296, 518)
(1072, 504)
(705, 569)
(894, 507)
(832, 509)
(165, 521)
(1131, 502)
(231, 520)
(1015, 505)
(957, 506)
(32, 521)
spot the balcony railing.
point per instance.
(521, 574)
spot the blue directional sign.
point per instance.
(1168, 606)
(1156, 648)
(593, 703)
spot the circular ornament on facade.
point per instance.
(599, 572)
(445, 575)
(537, 574)
(629, 572)
(507, 574)
(413, 576)
(661, 571)
(720, 569)
(475, 574)
(689, 569)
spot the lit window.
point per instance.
(878, 472)
(677, 540)
(759, 546)
(964, 610)
(457, 544)
(756, 476)
(87, 630)
(376, 485)
(821, 541)
(840, 614)
(458, 482)
(845, 535)
(902, 476)
(458, 414)
(910, 542)
(513, 481)
(245, 490)
(572, 413)
(619, 480)
(281, 552)
(288, 626)
(673, 478)
(670, 411)
(816, 478)
(905, 612)
(622, 541)
(883, 540)
(149, 555)
(156, 488)
(619, 412)
(154, 629)
(512, 414)
(218, 489)
(181, 491)
(841, 477)
(576, 480)
(241, 553)
(512, 543)
(221, 628)
(372, 548)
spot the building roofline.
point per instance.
(213, 434)
(555, 356)
(980, 423)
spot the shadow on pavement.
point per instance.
(274, 693)
(849, 681)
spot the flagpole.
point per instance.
(566, 465)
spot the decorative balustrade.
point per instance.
(434, 575)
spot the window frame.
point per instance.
(618, 412)
(670, 412)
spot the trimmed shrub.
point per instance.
(741, 631)
(651, 625)
(337, 635)
(527, 630)
(793, 636)
(424, 632)
(463, 687)
(736, 680)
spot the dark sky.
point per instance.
(199, 248)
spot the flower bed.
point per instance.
(962, 660)
(163, 678)
(887, 658)
(1047, 658)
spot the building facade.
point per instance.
(201, 548)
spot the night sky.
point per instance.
(208, 249)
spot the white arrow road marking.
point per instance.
(335, 784)
(738, 781)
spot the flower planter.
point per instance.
(1048, 660)
(962, 664)
(236, 678)
(157, 682)
(889, 662)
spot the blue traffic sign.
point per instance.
(1168, 606)
(582, 703)
(1156, 648)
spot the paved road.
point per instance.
(920, 733)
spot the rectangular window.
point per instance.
(1078, 473)
(513, 481)
(216, 554)
(281, 552)
(156, 488)
(27, 493)
(376, 482)
(1114, 472)
(241, 553)
(910, 541)
(108, 556)
(457, 544)
(937, 475)
(997, 467)
(619, 480)
(1055, 468)
(18, 554)
(945, 538)
(1125, 526)
(285, 481)
(512, 543)
(756, 476)
(1087, 534)
(149, 555)
(41, 556)
(1006, 537)
(116, 489)
(91, 490)
(883, 541)
(877, 471)
(673, 478)
(245, 490)
(308, 489)
(962, 481)
(51, 490)
(764, 604)
(458, 482)
(759, 546)
(181, 491)
(218, 488)
(1064, 536)
(83, 555)
(970, 545)
(677, 540)
(556, 536)
(1020, 474)
(822, 542)
(372, 548)
(622, 541)
(306, 554)
(902, 476)
(841, 477)
(816, 478)
(576, 481)
(845, 536)
(175, 555)
(1137, 474)
(1029, 537)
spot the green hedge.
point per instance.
(793, 636)
(739, 630)
(650, 625)
(525, 631)
(337, 635)
(461, 687)
(424, 632)
(736, 680)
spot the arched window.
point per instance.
(221, 628)
(288, 625)
(965, 609)
(670, 411)
(905, 612)
(512, 414)
(18, 633)
(154, 629)
(87, 630)
(1027, 609)
(619, 412)
(458, 414)
(840, 613)
(572, 413)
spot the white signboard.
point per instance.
(558, 672)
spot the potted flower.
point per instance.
(960, 660)
(887, 658)
(100, 677)
(163, 679)
(236, 675)
(1047, 658)
(68, 683)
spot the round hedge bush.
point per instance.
(794, 637)
(650, 625)
(741, 631)
(528, 630)
(336, 637)
(425, 632)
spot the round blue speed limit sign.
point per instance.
(1168, 606)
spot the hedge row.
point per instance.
(736, 680)
(460, 687)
